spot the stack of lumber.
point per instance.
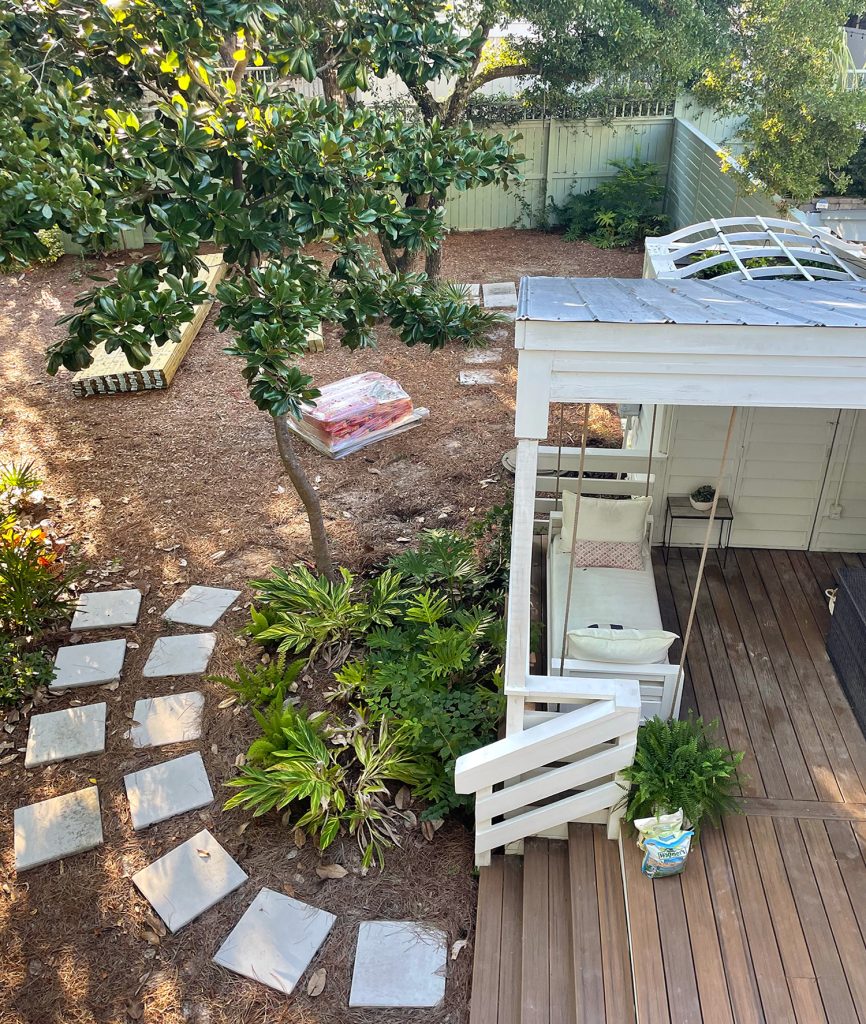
(110, 373)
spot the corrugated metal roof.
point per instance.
(772, 303)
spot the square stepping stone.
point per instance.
(474, 291)
(482, 355)
(105, 608)
(184, 655)
(275, 940)
(59, 735)
(201, 606)
(88, 665)
(164, 790)
(472, 378)
(56, 828)
(189, 880)
(399, 963)
(172, 719)
(500, 295)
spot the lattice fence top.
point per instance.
(754, 248)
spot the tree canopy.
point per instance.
(128, 110)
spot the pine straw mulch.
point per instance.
(171, 488)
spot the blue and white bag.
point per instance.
(665, 844)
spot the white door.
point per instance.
(780, 476)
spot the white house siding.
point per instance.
(776, 471)
(848, 531)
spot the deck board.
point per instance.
(770, 916)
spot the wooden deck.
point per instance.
(768, 922)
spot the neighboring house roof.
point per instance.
(769, 303)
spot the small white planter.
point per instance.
(701, 506)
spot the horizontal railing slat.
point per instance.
(556, 780)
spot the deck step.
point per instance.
(551, 941)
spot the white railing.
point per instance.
(561, 768)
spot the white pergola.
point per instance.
(782, 343)
(754, 249)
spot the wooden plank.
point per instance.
(739, 969)
(613, 934)
(511, 948)
(671, 621)
(816, 809)
(110, 373)
(677, 952)
(814, 639)
(762, 701)
(650, 982)
(813, 719)
(793, 948)
(560, 948)
(825, 711)
(707, 954)
(764, 949)
(816, 925)
(586, 929)
(849, 859)
(843, 922)
(535, 983)
(485, 964)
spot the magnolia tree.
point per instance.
(118, 111)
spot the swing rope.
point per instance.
(700, 577)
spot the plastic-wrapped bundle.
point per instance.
(357, 411)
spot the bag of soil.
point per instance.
(665, 844)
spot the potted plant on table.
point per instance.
(702, 497)
(680, 777)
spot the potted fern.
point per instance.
(679, 767)
(702, 497)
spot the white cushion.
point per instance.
(604, 519)
(620, 646)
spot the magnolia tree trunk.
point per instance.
(307, 494)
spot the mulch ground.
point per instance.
(154, 486)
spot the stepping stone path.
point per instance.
(60, 735)
(500, 295)
(184, 655)
(399, 963)
(189, 880)
(172, 719)
(201, 606)
(275, 941)
(102, 609)
(55, 828)
(165, 790)
(88, 665)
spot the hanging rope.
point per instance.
(702, 563)
(577, 495)
(559, 455)
(649, 461)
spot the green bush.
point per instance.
(327, 775)
(619, 212)
(22, 670)
(420, 644)
(263, 686)
(678, 765)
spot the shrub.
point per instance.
(620, 211)
(328, 776)
(33, 584)
(22, 670)
(677, 765)
(263, 686)
(444, 313)
(420, 644)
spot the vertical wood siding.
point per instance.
(698, 188)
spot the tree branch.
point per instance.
(504, 71)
